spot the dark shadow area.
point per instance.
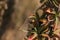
(7, 17)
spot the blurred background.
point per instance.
(14, 17)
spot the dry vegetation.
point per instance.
(13, 17)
